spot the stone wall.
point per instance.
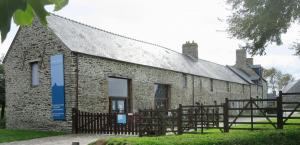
(27, 106)
(93, 85)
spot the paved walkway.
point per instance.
(84, 139)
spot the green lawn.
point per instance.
(290, 135)
(17, 135)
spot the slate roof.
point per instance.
(242, 74)
(292, 87)
(93, 41)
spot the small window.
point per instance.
(228, 86)
(211, 85)
(161, 96)
(35, 75)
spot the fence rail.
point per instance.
(189, 118)
(104, 123)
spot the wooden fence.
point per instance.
(104, 123)
(185, 119)
(200, 117)
(255, 109)
(158, 122)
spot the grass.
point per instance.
(290, 135)
(17, 135)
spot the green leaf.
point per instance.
(261, 22)
(23, 12)
(7, 9)
(59, 4)
(39, 8)
(24, 17)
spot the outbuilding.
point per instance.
(51, 69)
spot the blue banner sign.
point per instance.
(121, 118)
(58, 87)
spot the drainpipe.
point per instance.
(250, 90)
(193, 90)
(77, 77)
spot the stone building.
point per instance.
(50, 70)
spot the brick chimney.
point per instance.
(249, 61)
(241, 58)
(190, 49)
(244, 63)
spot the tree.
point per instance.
(24, 11)
(277, 79)
(270, 75)
(284, 80)
(261, 22)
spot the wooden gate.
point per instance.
(158, 121)
(184, 119)
(104, 123)
(248, 111)
(291, 106)
(201, 117)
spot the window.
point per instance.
(211, 85)
(35, 75)
(118, 105)
(228, 86)
(118, 92)
(161, 96)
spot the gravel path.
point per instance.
(84, 139)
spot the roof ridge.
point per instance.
(157, 45)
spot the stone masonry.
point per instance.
(29, 107)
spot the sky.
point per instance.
(171, 23)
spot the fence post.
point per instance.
(251, 112)
(226, 115)
(139, 123)
(279, 111)
(74, 120)
(217, 115)
(201, 117)
(179, 120)
(214, 113)
(114, 115)
(196, 112)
